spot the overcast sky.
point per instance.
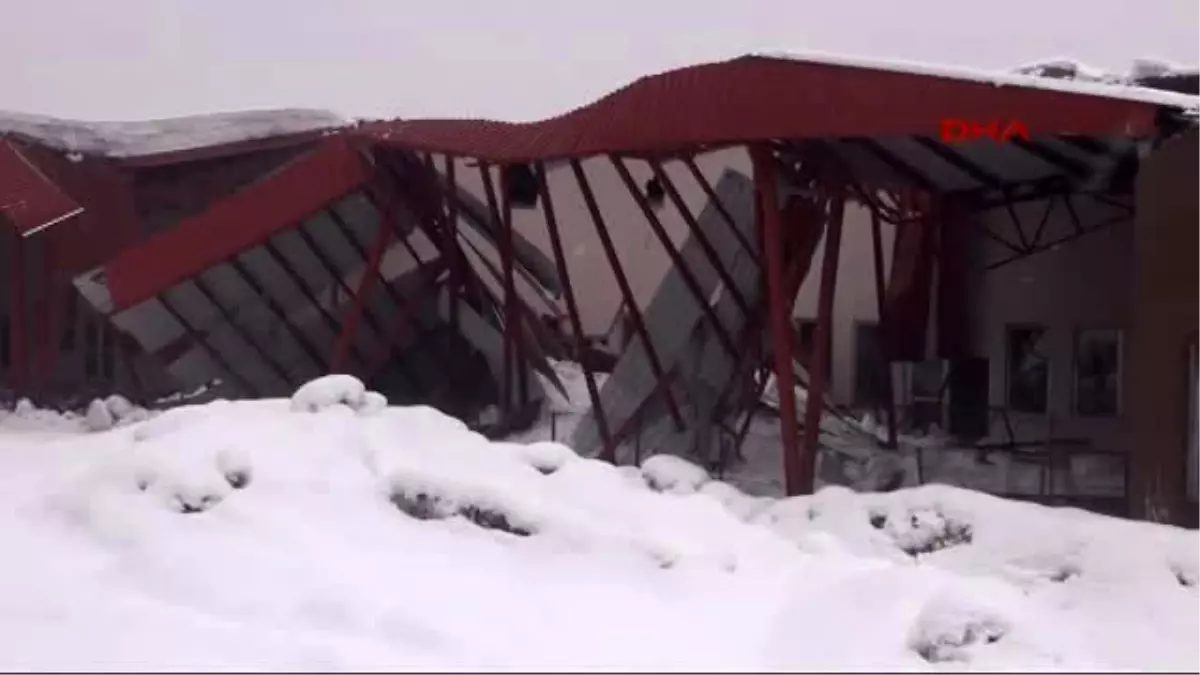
(513, 59)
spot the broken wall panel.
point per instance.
(672, 314)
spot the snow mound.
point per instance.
(304, 534)
(949, 627)
(669, 473)
(332, 390)
(133, 139)
(99, 415)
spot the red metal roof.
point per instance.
(758, 98)
(29, 199)
(239, 222)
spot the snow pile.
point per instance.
(133, 139)
(327, 532)
(99, 415)
(1069, 69)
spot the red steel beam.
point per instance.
(560, 261)
(814, 405)
(766, 182)
(715, 200)
(239, 222)
(504, 234)
(877, 259)
(630, 302)
(341, 348)
(685, 272)
(714, 258)
(455, 261)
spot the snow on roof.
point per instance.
(1069, 69)
(1075, 86)
(135, 139)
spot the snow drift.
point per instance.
(333, 532)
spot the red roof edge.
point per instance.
(753, 99)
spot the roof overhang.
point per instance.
(759, 99)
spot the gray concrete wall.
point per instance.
(1085, 283)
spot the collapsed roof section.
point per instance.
(319, 267)
(364, 253)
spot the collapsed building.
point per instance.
(440, 260)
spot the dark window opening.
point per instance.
(1028, 369)
(927, 389)
(1098, 372)
(521, 186)
(870, 367)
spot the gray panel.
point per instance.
(267, 273)
(263, 326)
(150, 324)
(219, 334)
(333, 243)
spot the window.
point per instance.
(870, 368)
(1098, 372)
(927, 385)
(1028, 369)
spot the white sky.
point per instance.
(513, 59)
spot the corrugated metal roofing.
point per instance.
(30, 200)
(756, 98)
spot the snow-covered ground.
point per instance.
(331, 532)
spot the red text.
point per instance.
(958, 131)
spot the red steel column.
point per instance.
(814, 405)
(765, 181)
(877, 242)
